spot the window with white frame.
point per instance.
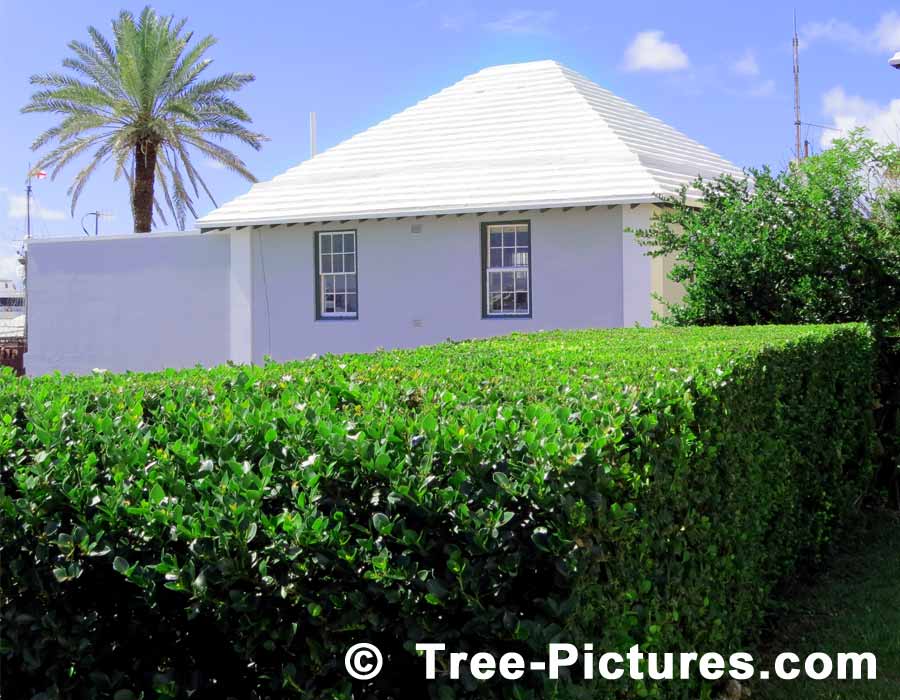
(507, 269)
(336, 268)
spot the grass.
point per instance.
(855, 606)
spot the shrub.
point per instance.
(817, 242)
(230, 533)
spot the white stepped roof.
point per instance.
(519, 136)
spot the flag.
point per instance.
(40, 175)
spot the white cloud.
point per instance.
(9, 263)
(523, 22)
(882, 38)
(649, 51)
(848, 112)
(834, 30)
(749, 83)
(16, 208)
(746, 65)
(887, 33)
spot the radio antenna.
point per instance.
(797, 139)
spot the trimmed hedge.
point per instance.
(232, 532)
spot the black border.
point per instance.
(484, 262)
(318, 277)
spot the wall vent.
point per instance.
(415, 229)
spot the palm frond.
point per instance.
(229, 82)
(71, 127)
(221, 155)
(75, 98)
(60, 156)
(103, 48)
(84, 175)
(122, 161)
(164, 186)
(182, 196)
(94, 63)
(190, 65)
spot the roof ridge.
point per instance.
(649, 162)
(516, 64)
(567, 74)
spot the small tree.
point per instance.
(818, 242)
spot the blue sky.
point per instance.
(720, 72)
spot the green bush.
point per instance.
(816, 242)
(230, 533)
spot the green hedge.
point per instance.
(232, 532)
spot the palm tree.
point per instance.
(143, 103)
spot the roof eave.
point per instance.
(209, 222)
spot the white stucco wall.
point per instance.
(127, 303)
(417, 289)
(637, 277)
(176, 300)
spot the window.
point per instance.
(507, 269)
(337, 296)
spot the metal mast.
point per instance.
(28, 204)
(797, 139)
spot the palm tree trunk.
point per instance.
(144, 175)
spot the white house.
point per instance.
(499, 204)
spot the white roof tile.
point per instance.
(518, 136)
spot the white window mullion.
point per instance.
(337, 265)
(511, 244)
